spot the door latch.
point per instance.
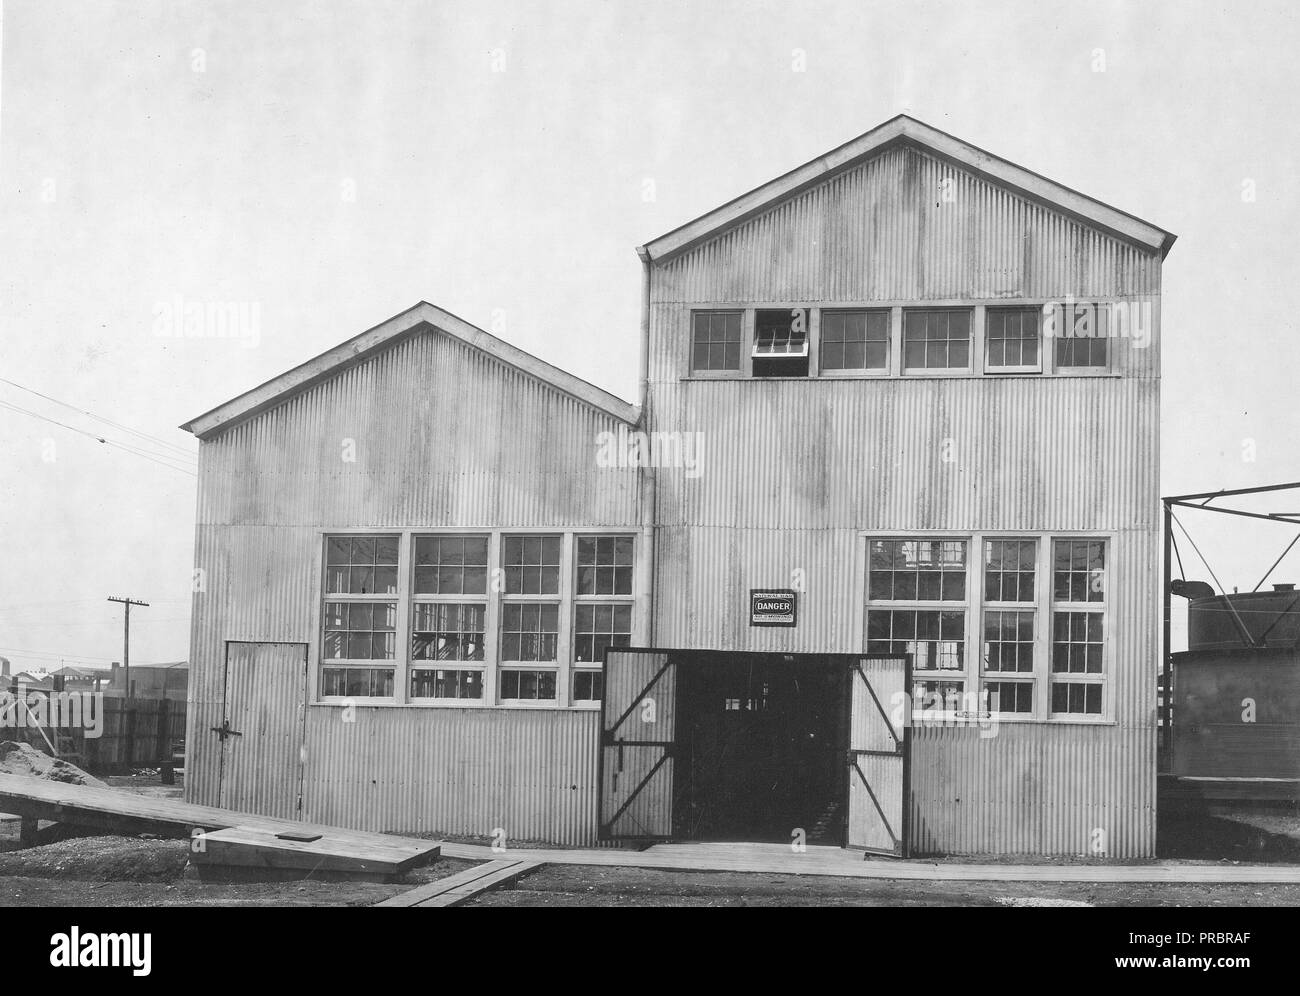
(224, 731)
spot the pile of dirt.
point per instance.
(100, 859)
(24, 759)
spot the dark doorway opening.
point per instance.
(760, 748)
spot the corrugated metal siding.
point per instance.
(1034, 789)
(444, 436)
(529, 772)
(999, 453)
(794, 471)
(907, 226)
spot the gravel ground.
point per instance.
(576, 885)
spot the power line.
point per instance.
(107, 421)
(159, 459)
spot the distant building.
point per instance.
(152, 681)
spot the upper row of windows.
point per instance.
(860, 341)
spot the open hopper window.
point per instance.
(781, 342)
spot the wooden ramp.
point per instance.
(228, 838)
(464, 886)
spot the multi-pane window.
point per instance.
(1010, 696)
(359, 638)
(934, 638)
(921, 570)
(1011, 337)
(602, 609)
(532, 564)
(928, 573)
(1078, 626)
(1082, 338)
(936, 338)
(1010, 634)
(605, 565)
(1079, 570)
(715, 340)
(452, 634)
(1025, 637)
(529, 636)
(530, 629)
(451, 565)
(855, 340)
(448, 625)
(473, 618)
(361, 565)
(596, 627)
(1009, 640)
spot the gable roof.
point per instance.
(905, 130)
(422, 317)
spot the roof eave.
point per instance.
(418, 318)
(903, 129)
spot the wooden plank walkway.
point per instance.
(454, 890)
(118, 811)
(834, 861)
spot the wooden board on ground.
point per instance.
(464, 886)
(116, 811)
(250, 847)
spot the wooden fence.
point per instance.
(136, 733)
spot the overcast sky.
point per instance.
(325, 165)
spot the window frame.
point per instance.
(977, 367)
(973, 674)
(1007, 369)
(1033, 604)
(555, 599)
(403, 662)
(746, 336)
(324, 596)
(973, 342)
(462, 598)
(850, 373)
(1101, 607)
(580, 600)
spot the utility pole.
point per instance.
(126, 638)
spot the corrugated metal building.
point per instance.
(897, 443)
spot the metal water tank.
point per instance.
(1271, 617)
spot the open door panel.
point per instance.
(638, 729)
(879, 714)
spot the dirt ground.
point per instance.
(573, 885)
(72, 868)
